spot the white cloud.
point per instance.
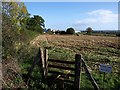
(100, 17)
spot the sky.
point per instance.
(78, 15)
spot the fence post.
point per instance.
(42, 63)
(77, 71)
(46, 62)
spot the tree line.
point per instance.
(68, 31)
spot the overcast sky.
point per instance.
(79, 15)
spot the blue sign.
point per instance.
(105, 68)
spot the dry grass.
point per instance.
(11, 75)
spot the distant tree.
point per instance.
(57, 32)
(70, 31)
(49, 31)
(62, 32)
(89, 30)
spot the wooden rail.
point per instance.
(89, 75)
(61, 61)
(61, 73)
(62, 67)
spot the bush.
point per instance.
(89, 30)
(70, 31)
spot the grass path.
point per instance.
(39, 39)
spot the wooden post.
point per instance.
(46, 62)
(90, 76)
(77, 71)
(42, 63)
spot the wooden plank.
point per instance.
(90, 76)
(42, 63)
(61, 67)
(61, 73)
(77, 72)
(61, 61)
(46, 62)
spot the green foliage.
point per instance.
(70, 31)
(35, 23)
(12, 14)
(15, 30)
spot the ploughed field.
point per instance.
(82, 40)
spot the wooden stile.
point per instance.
(79, 63)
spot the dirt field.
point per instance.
(73, 40)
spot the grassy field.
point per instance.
(94, 49)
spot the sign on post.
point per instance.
(105, 68)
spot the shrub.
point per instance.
(70, 31)
(89, 30)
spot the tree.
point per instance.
(15, 12)
(36, 23)
(89, 30)
(70, 31)
(12, 15)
